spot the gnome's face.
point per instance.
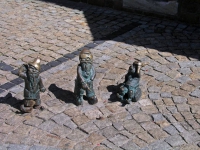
(132, 69)
(86, 66)
(32, 70)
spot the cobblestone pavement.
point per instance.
(166, 117)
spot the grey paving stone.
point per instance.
(166, 94)
(171, 130)
(175, 140)
(171, 59)
(70, 124)
(186, 64)
(77, 135)
(48, 125)
(179, 99)
(34, 122)
(119, 140)
(172, 109)
(149, 125)
(196, 93)
(89, 127)
(17, 147)
(103, 123)
(163, 78)
(158, 145)
(162, 68)
(154, 96)
(3, 147)
(154, 89)
(133, 109)
(109, 132)
(118, 125)
(183, 107)
(53, 148)
(191, 136)
(170, 118)
(185, 71)
(111, 145)
(37, 147)
(186, 125)
(130, 146)
(60, 118)
(179, 127)
(142, 117)
(183, 79)
(158, 117)
(83, 145)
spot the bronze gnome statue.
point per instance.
(130, 90)
(33, 85)
(84, 80)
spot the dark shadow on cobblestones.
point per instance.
(103, 25)
(164, 36)
(12, 101)
(64, 95)
(113, 89)
(113, 97)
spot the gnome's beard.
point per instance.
(86, 67)
(33, 74)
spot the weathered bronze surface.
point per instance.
(129, 89)
(33, 85)
(84, 80)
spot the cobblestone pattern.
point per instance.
(166, 117)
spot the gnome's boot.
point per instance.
(130, 96)
(38, 105)
(123, 91)
(92, 100)
(27, 107)
(138, 94)
(79, 100)
(120, 97)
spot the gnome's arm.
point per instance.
(79, 73)
(93, 73)
(42, 88)
(23, 71)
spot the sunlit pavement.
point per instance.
(166, 117)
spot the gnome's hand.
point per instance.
(43, 89)
(84, 86)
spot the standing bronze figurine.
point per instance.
(33, 85)
(130, 90)
(84, 80)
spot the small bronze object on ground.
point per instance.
(33, 85)
(130, 90)
(84, 80)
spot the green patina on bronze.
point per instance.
(84, 80)
(33, 85)
(129, 90)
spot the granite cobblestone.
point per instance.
(166, 117)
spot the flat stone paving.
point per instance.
(166, 117)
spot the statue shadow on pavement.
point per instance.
(64, 95)
(113, 97)
(12, 101)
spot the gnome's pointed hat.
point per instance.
(36, 63)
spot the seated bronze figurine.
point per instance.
(129, 89)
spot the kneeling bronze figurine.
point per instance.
(33, 85)
(130, 90)
(84, 80)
